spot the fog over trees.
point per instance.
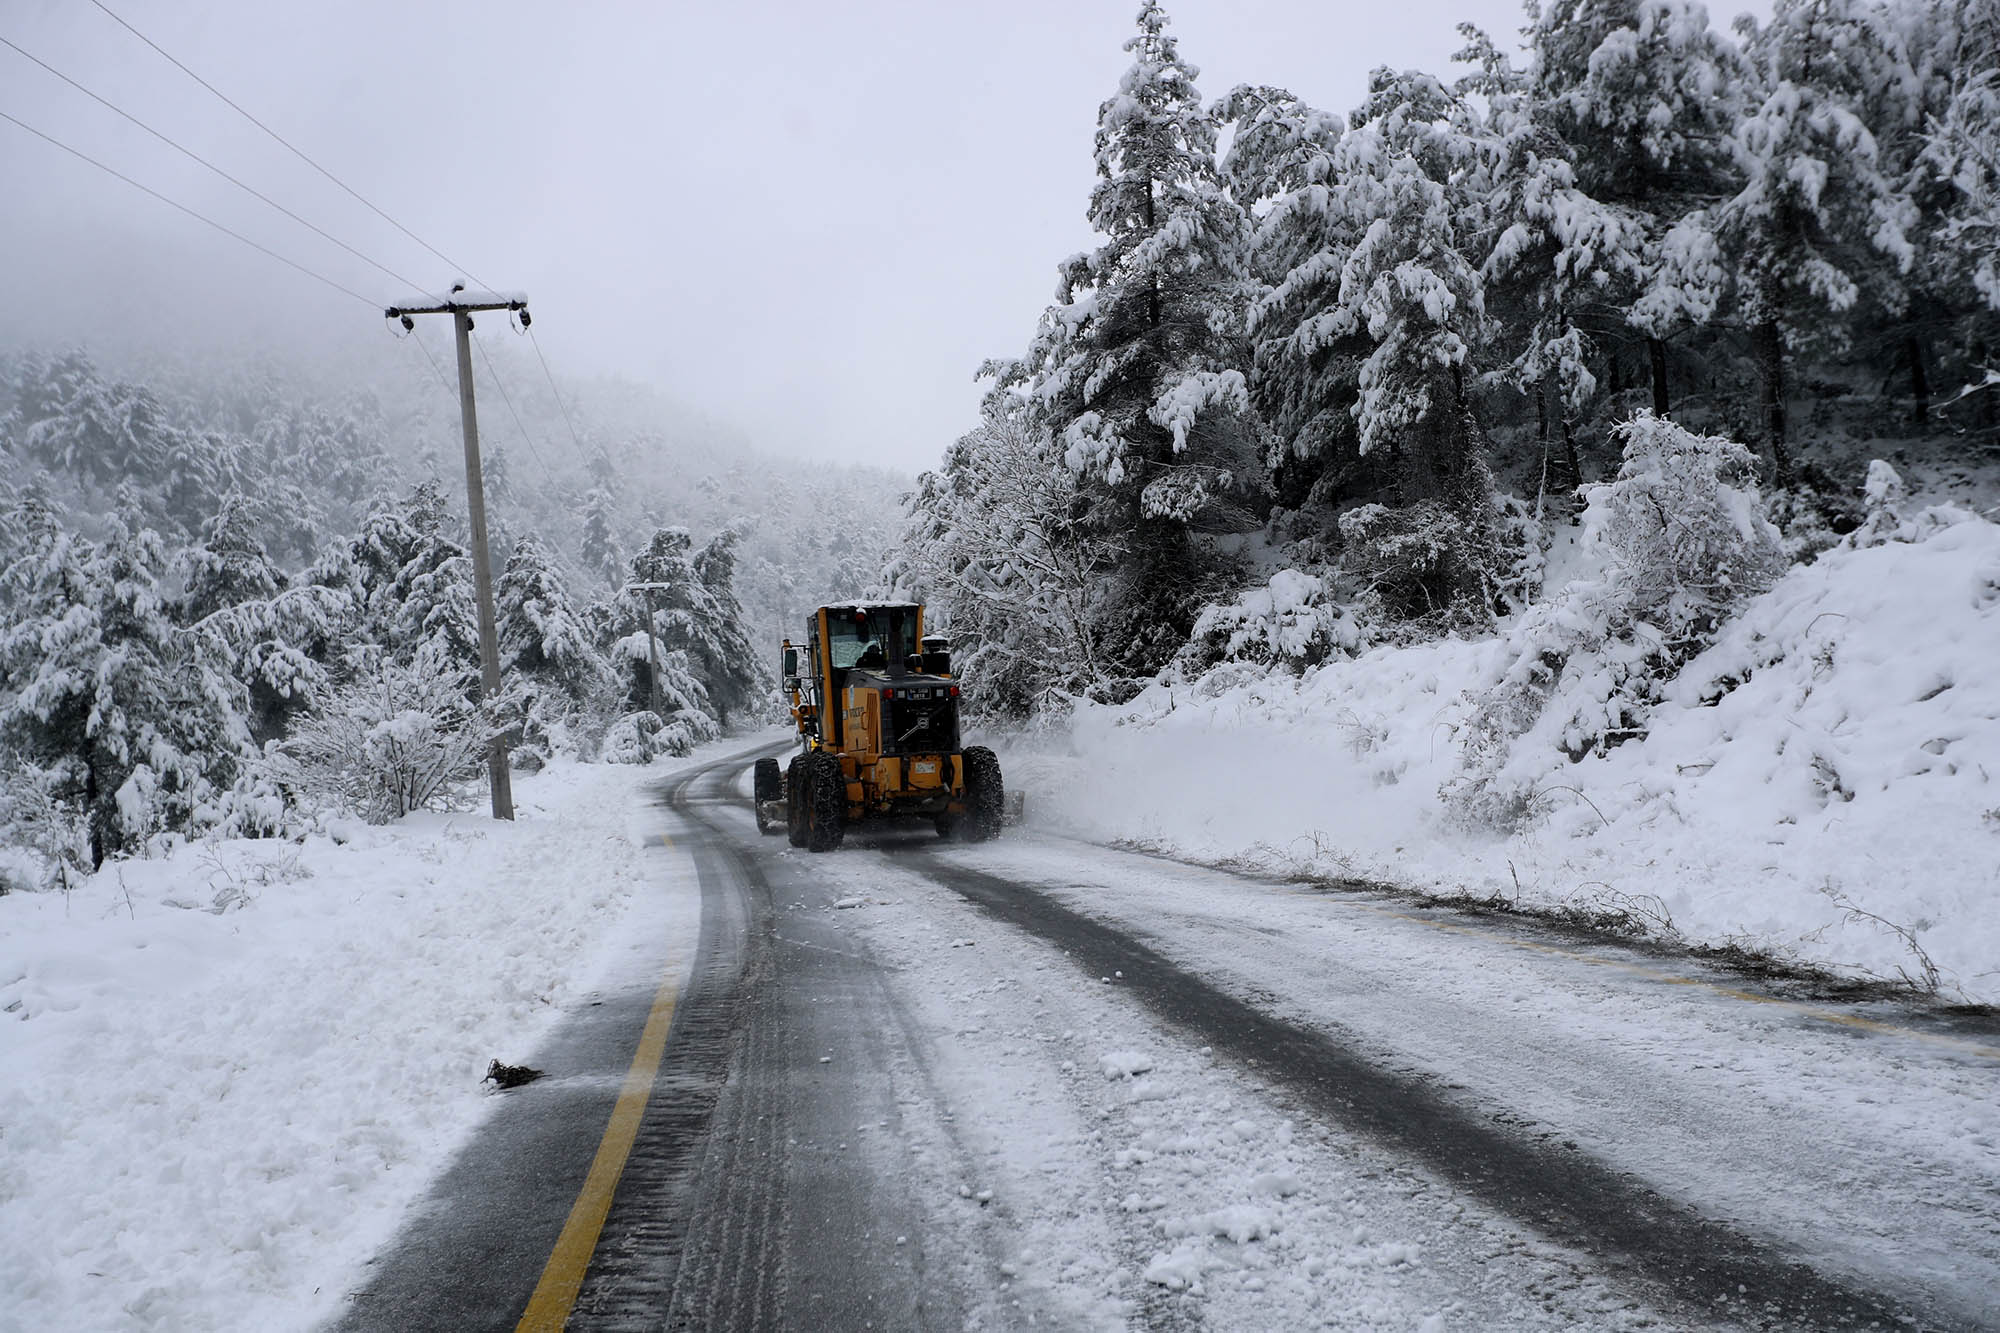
(236, 596)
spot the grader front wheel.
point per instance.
(826, 802)
(795, 802)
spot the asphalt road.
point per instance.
(786, 1172)
(770, 1183)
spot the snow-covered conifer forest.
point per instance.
(234, 601)
(1525, 482)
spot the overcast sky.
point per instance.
(809, 220)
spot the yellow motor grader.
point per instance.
(876, 707)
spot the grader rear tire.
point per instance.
(826, 803)
(985, 796)
(767, 784)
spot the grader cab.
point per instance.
(875, 704)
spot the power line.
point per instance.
(299, 153)
(199, 217)
(437, 371)
(354, 194)
(546, 374)
(191, 154)
(526, 439)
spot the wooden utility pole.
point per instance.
(653, 644)
(461, 305)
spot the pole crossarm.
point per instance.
(459, 302)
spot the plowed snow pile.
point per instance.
(1823, 781)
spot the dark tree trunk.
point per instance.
(1562, 470)
(1770, 348)
(92, 816)
(1573, 469)
(1656, 349)
(1920, 386)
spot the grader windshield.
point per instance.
(852, 630)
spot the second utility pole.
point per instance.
(460, 305)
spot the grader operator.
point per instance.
(876, 707)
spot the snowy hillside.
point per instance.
(1822, 783)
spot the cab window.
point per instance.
(849, 631)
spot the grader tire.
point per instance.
(766, 784)
(826, 803)
(795, 802)
(985, 796)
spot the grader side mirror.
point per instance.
(791, 663)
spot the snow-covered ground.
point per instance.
(1839, 804)
(229, 1071)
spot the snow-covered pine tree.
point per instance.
(542, 635)
(1139, 368)
(684, 619)
(236, 605)
(1407, 283)
(1815, 214)
(229, 566)
(1555, 261)
(601, 558)
(1961, 152)
(729, 662)
(1643, 92)
(71, 417)
(100, 690)
(1280, 168)
(1431, 556)
(415, 582)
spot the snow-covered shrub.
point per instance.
(641, 737)
(1886, 517)
(395, 738)
(1424, 567)
(1681, 542)
(682, 719)
(1291, 622)
(1813, 512)
(253, 807)
(24, 870)
(1680, 524)
(40, 830)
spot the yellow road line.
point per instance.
(1639, 969)
(562, 1278)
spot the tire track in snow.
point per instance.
(1563, 1194)
(642, 1253)
(758, 1202)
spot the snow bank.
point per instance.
(228, 1071)
(1824, 781)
